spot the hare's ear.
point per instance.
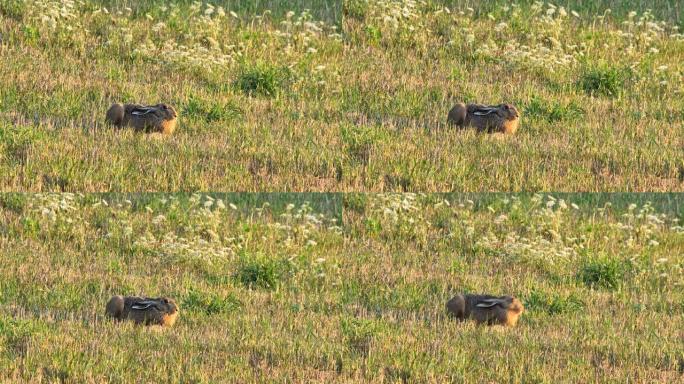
(501, 301)
(143, 305)
(487, 303)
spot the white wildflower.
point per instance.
(220, 204)
(501, 219)
(158, 219)
(500, 27)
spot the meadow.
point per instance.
(342, 288)
(348, 96)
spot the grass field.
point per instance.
(287, 293)
(335, 100)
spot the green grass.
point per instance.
(603, 272)
(210, 303)
(553, 111)
(603, 80)
(255, 273)
(285, 292)
(261, 80)
(271, 103)
(554, 304)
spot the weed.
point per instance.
(210, 303)
(260, 273)
(603, 80)
(14, 202)
(262, 80)
(211, 111)
(18, 142)
(553, 303)
(359, 333)
(355, 9)
(359, 142)
(355, 202)
(602, 272)
(552, 111)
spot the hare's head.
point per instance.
(516, 306)
(509, 111)
(168, 309)
(167, 111)
(166, 305)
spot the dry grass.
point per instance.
(267, 106)
(271, 293)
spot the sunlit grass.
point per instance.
(277, 288)
(292, 100)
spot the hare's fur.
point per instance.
(486, 309)
(159, 118)
(143, 310)
(503, 118)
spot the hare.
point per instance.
(502, 118)
(143, 310)
(153, 118)
(486, 309)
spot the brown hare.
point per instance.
(159, 118)
(143, 310)
(486, 309)
(503, 118)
